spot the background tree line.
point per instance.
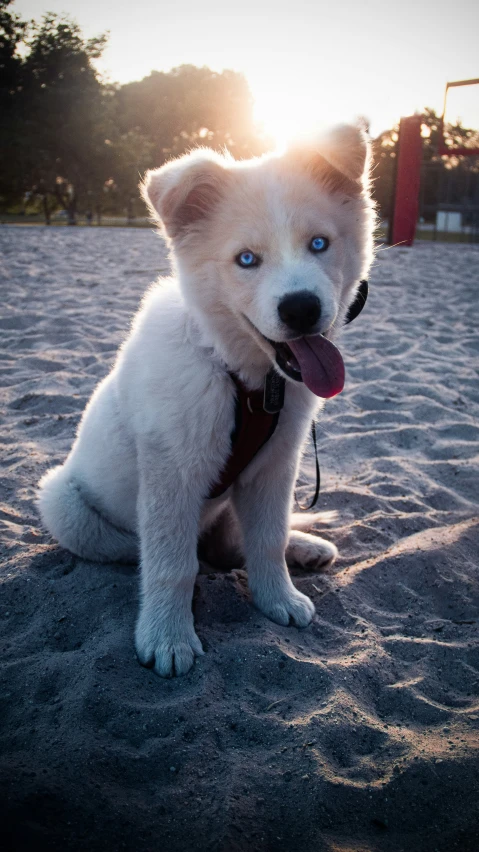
(68, 139)
(71, 141)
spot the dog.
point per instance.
(267, 257)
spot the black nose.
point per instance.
(300, 311)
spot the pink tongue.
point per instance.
(321, 364)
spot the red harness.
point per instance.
(253, 428)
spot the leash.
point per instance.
(318, 474)
(354, 311)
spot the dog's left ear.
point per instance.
(346, 148)
(339, 159)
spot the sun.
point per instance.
(287, 107)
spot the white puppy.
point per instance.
(266, 250)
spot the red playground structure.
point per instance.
(405, 208)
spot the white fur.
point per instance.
(155, 435)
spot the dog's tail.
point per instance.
(304, 521)
(78, 526)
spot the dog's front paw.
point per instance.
(168, 648)
(285, 605)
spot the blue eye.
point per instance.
(247, 259)
(318, 244)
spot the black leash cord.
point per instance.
(354, 311)
(318, 473)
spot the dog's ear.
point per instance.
(186, 190)
(346, 148)
(339, 159)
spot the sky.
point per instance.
(308, 64)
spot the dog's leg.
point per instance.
(263, 507)
(168, 521)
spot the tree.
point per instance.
(384, 153)
(67, 111)
(132, 155)
(58, 118)
(69, 139)
(12, 32)
(190, 106)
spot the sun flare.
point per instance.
(288, 108)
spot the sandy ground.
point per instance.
(358, 734)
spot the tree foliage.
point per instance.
(54, 135)
(190, 106)
(69, 139)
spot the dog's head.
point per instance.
(276, 245)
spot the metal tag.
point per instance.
(274, 385)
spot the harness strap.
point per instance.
(253, 428)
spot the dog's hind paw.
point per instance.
(310, 551)
(167, 651)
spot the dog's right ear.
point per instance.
(185, 191)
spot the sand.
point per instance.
(358, 734)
